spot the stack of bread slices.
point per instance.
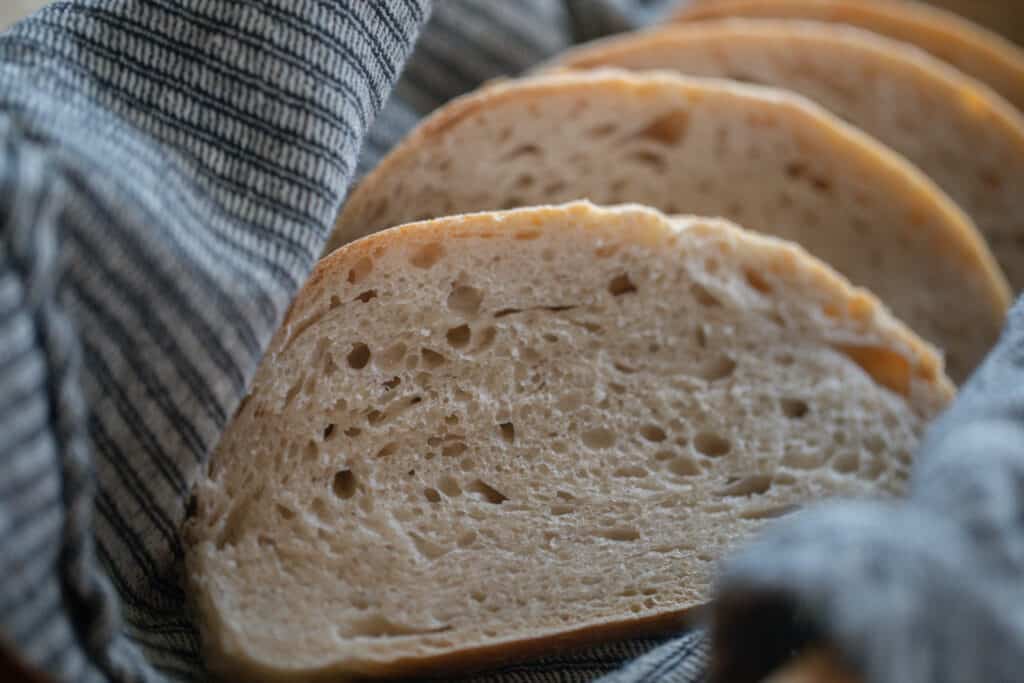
(585, 331)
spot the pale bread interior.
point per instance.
(497, 428)
(772, 161)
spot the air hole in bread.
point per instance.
(431, 359)
(486, 492)
(621, 284)
(875, 444)
(768, 512)
(431, 495)
(630, 471)
(293, 391)
(559, 509)
(427, 255)
(335, 302)
(508, 432)
(458, 337)
(344, 484)
(359, 356)
(375, 417)
(667, 129)
(329, 432)
(653, 433)
(521, 151)
(360, 270)
(626, 534)
(793, 408)
(599, 437)
(602, 130)
(387, 449)
(367, 296)
(453, 449)
(846, 463)
(682, 466)
(392, 383)
(701, 337)
(754, 484)
(785, 359)
(757, 281)
(465, 300)
(623, 368)
(450, 486)
(703, 296)
(284, 512)
(524, 181)
(353, 432)
(647, 158)
(718, 368)
(465, 540)
(711, 444)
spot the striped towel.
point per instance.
(169, 170)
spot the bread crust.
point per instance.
(974, 50)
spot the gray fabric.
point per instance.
(926, 589)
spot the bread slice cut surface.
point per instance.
(965, 137)
(479, 437)
(770, 160)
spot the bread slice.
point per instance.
(970, 48)
(1001, 16)
(771, 161)
(966, 138)
(478, 436)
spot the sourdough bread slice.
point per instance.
(479, 436)
(970, 48)
(772, 161)
(966, 138)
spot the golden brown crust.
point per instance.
(971, 48)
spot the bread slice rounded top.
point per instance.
(965, 137)
(771, 160)
(972, 49)
(481, 436)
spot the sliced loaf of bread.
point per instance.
(772, 161)
(972, 49)
(966, 138)
(479, 436)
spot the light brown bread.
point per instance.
(965, 137)
(772, 161)
(970, 48)
(479, 436)
(1002, 16)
